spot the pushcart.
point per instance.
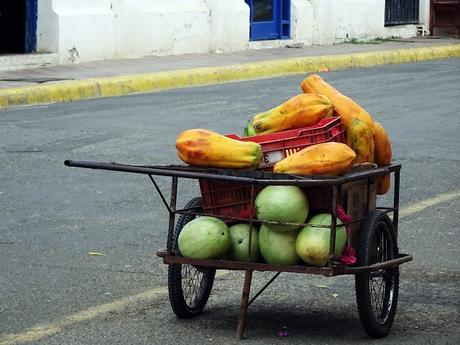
(230, 196)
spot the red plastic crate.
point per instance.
(224, 198)
(233, 199)
(279, 145)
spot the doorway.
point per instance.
(445, 18)
(18, 26)
(269, 19)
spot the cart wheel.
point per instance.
(189, 286)
(377, 292)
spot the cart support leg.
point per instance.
(244, 304)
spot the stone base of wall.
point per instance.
(400, 31)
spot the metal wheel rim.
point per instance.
(193, 284)
(382, 282)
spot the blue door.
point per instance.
(270, 19)
(18, 26)
(30, 36)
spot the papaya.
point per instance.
(383, 184)
(360, 138)
(331, 159)
(382, 143)
(357, 121)
(344, 106)
(299, 111)
(205, 148)
(383, 156)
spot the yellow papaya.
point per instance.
(382, 146)
(331, 159)
(383, 184)
(383, 156)
(360, 139)
(344, 106)
(205, 148)
(299, 111)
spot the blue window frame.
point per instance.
(30, 26)
(269, 19)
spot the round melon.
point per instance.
(204, 238)
(282, 204)
(278, 247)
(239, 235)
(312, 244)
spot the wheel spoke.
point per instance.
(374, 296)
(377, 288)
(192, 284)
(189, 287)
(377, 292)
(380, 282)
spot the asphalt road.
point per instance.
(53, 291)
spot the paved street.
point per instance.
(53, 291)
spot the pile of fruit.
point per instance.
(366, 142)
(280, 244)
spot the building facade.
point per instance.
(87, 30)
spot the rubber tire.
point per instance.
(376, 222)
(179, 304)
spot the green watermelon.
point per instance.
(282, 204)
(278, 247)
(312, 244)
(239, 235)
(204, 238)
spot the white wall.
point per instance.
(424, 13)
(229, 27)
(174, 27)
(47, 25)
(302, 22)
(338, 20)
(143, 27)
(87, 30)
(76, 30)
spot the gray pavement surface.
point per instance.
(51, 216)
(108, 68)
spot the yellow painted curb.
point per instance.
(149, 82)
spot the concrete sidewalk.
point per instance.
(120, 77)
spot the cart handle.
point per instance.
(284, 179)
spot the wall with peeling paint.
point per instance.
(302, 22)
(229, 26)
(86, 30)
(336, 21)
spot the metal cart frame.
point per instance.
(339, 188)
